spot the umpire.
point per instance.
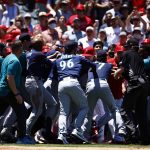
(134, 107)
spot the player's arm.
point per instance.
(11, 71)
(118, 72)
(90, 65)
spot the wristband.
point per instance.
(16, 94)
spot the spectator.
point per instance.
(106, 21)
(61, 26)
(146, 17)
(27, 22)
(50, 34)
(103, 38)
(89, 39)
(63, 9)
(114, 30)
(137, 21)
(115, 11)
(2, 9)
(85, 20)
(43, 22)
(10, 13)
(75, 33)
(3, 32)
(137, 34)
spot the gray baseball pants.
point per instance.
(70, 91)
(39, 96)
(100, 89)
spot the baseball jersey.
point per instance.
(71, 66)
(102, 69)
(38, 65)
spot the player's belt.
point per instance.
(68, 78)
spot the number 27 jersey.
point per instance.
(71, 66)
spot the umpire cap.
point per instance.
(132, 42)
(70, 46)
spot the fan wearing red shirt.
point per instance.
(85, 20)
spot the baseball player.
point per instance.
(67, 70)
(38, 65)
(95, 91)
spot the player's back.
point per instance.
(69, 65)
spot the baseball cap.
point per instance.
(65, 1)
(124, 5)
(89, 51)
(132, 42)
(101, 54)
(102, 30)
(51, 20)
(9, 37)
(135, 17)
(146, 41)
(27, 15)
(70, 45)
(3, 27)
(89, 28)
(119, 48)
(137, 29)
(123, 33)
(76, 18)
(148, 7)
(25, 37)
(80, 7)
(42, 13)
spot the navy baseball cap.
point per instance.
(2, 46)
(25, 37)
(70, 45)
(101, 55)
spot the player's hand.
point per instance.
(19, 99)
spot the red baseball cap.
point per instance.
(80, 7)
(9, 37)
(119, 48)
(89, 51)
(3, 27)
(146, 41)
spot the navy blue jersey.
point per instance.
(103, 70)
(71, 66)
(38, 65)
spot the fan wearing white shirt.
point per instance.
(89, 39)
(114, 30)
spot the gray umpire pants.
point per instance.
(100, 89)
(70, 91)
(39, 97)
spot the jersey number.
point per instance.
(68, 64)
